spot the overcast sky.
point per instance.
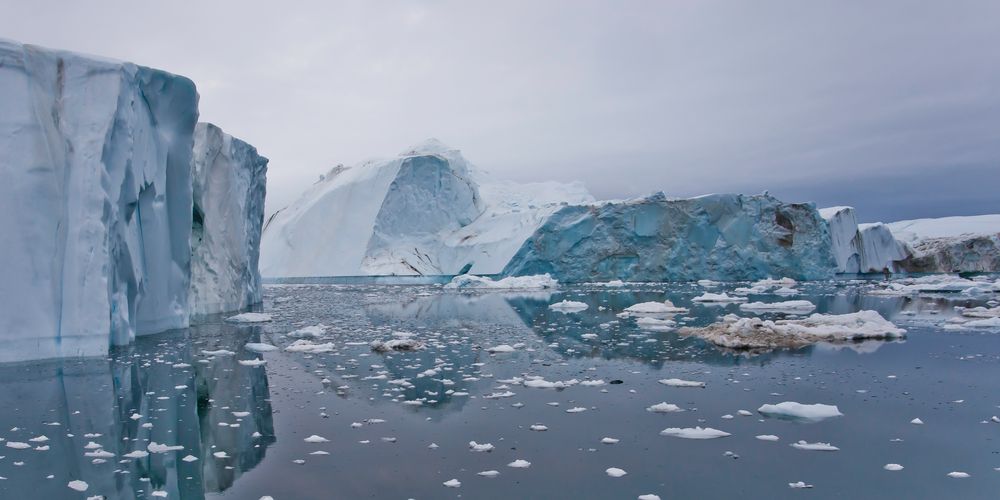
(892, 107)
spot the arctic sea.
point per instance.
(455, 420)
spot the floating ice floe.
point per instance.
(799, 485)
(653, 309)
(519, 464)
(316, 439)
(536, 282)
(155, 447)
(892, 467)
(647, 323)
(917, 421)
(789, 306)
(488, 473)
(218, 352)
(249, 317)
(540, 383)
(405, 344)
(802, 445)
(452, 483)
(136, 454)
(717, 297)
(474, 446)
(793, 410)
(615, 472)
(767, 437)
(252, 362)
(694, 433)
(568, 306)
(259, 347)
(78, 485)
(500, 349)
(986, 323)
(308, 347)
(649, 496)
(308, 332)
(676, 382)
(959, 475)
(609, 440)
(734, 332)
(538, 427)
(664, 408)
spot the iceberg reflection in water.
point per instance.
(100, 415)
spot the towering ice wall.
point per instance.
(721, 236)
(228, 186)
(427, 211)
(95, 207)
(867, 248)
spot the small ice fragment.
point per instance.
(791, 409)
(452, 483)
(78, 485)
(802, 445)
(538, 427)
(249, 317)
(615, 472)
(500, 349)
(474, 446)
(519, 464)
(767, 437)
(694, 433)
(190, 458)
(609, 440)
(676, 382)
(958, 475)
(649, 496)
(316, 439)
(488, 473)
(576, 409)
(799, 485)
(893, 467)
(568, 306)
(220, 454)
(664, 408)
(917, 421)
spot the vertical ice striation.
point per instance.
(865, 248)
(719, 236)
(228, 186)
(95, 206)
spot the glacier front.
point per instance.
(719, 236)
(864, 248)
(426, 212)
(95, 206)
(950, 244)
(228, 187)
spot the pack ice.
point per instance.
(428, 211)
(719, 236)
(96, 203)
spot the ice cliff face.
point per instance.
(726, 237)
(95, 206)
(427, 211)
(228, 187)
(866, 248)
(950, 244)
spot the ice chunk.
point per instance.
(717, 297)
(676, 382)
(802, 445)
(664, 408)
(756, 334)
(654, 309)
(468, 281)
(694, 433)
(791, 409)
(249, 317)
(615, 472)
(789, 306)
(568, 306)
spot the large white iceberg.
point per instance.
(95, 207)
(949, 244)
(864, 248)
(228, 187)
(425, 212)
(719, 236)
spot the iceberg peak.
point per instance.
(429, 146)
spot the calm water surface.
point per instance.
(399, 424)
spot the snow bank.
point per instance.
(719, 237)
(95, 207)
(228, 185)
(756, 334)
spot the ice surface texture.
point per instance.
(228, 185)
(950, 243)
(95, 206)
(721, 236)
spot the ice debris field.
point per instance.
(532, 389)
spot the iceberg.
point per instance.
(864, 248)
(950, 244)
(96, 201)
(228, 186)
(718, 237)
(426, 212)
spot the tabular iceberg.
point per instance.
(228, 186)
(427, 211)
(864, 248)
(95, 206)
(720, 236)
(948, 244)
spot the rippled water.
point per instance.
(166, 390)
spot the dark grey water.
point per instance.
(260, 416)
